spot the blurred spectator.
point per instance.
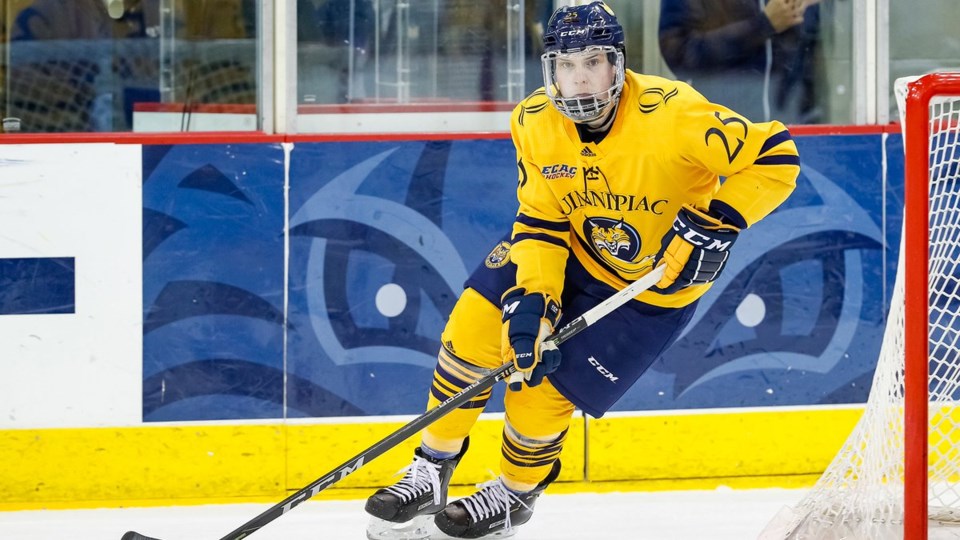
(754, 56)
(68, 70)
(473, 44)
(51, 87)
(216, 58)
(334, 40)
(537, 13)
(214, 19)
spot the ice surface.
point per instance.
(722, 514)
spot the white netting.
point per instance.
(860, 495)
(89, 85)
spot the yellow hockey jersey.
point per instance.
(610, 203)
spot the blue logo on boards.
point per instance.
(34, 286)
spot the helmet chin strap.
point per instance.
(604, 122)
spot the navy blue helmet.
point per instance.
(575, 28)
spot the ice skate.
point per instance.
(418, 528)
(404, 511)
(493, 511)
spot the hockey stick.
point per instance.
(353, 464)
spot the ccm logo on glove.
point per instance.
(700, 240)
(695, 250)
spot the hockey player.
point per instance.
(618, 172)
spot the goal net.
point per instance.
(897, 478)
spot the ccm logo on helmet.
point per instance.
(573, 32)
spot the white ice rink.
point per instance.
(722, 514)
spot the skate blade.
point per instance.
(437, 534)
(417, 528)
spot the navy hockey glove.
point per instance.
(528, 319)
(695, 250)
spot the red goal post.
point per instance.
(924, 133)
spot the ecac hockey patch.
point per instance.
(556, 172)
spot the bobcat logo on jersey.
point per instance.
(499, 256)
(611, 239)
(617, 238)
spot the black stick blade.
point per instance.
(130, 535)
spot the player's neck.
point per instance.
(595, 131)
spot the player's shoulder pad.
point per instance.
(534, 104)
